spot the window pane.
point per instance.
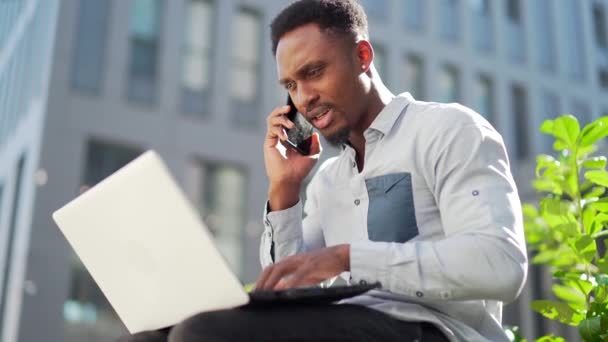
(519, 105)
(483, 28)
(514, 11)
(574, 48)
(1, 197)
(245, 57)
(380, 60)
(144, 46)
(197, 46)
(448, 84)
(8, 248)
(449, 23)
(376, 8)
(603, 75)
(247, 37)
(481, 7)
(516, 51)
(544, 28)
(87, 313)
(222, 207)
(414, 76)
(196, 57)
(244, 83)
(144, 19)
(582, 111)
(415, 14)
(87, 68)
(550, 110)
(599, 23)
(483, 93)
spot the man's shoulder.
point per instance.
(439, 116)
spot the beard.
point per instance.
(338, 138)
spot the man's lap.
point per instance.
(294, 323)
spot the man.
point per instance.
(420, 198)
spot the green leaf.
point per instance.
(594, 131)
(556, 212)
(564, 257)
(559, 145)
(598, 309)
(599, 222)
(602, 279)
(569, 294)
(588, 219)
(602, 265)
(550, 338)
(547, 127)
(545, 256)
(569, 229)
(571, 184)
(585, 247)
(600, 205)
(596, 191)
(566, 128)
(595, 163)
(559, 274)
(584, 285)
(600, 294)
(598, 177)
(547, 186)
(557, 311)
(529, 210)
(591, 328)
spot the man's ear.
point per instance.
(365, 54)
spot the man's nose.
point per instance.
(306, 98)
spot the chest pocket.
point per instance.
(391, 215)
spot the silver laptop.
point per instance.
(147, 249)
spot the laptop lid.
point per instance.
(147, 248)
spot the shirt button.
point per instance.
(357, 201)
(354, 164)
(363, 282)
(475, 192)
(419, 294)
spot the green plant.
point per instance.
(566, 230)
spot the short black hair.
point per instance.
(340, 16)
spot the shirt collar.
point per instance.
(387, 117)
(390, 113)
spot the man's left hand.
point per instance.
(308, 268)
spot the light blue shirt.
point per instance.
(434, 216)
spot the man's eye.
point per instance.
(289, 86)
(314, 72)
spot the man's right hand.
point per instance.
(285, 171)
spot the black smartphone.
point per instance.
(300, 137)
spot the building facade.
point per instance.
(87, 85)
(26, 41)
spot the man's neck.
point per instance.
(380, 96)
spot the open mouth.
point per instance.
(323, 119)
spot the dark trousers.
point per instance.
(335, 323)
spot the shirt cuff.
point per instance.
(284, 224)
(368, 262)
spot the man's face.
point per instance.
(321, 73)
